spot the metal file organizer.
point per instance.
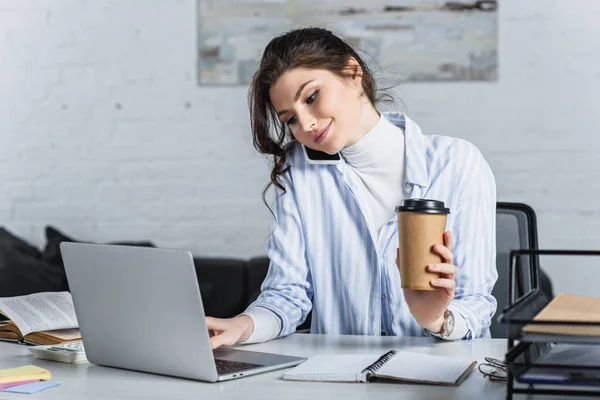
(525, 351)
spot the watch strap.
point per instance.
(444, 329)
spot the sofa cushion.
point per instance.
(25, 274)
(18, 244)
(222, 286)
(257, 271)
(54, 238)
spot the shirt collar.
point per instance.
(415, 147)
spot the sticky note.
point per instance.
(30, 388)
(7, 385)
(26, 373)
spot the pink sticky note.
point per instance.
(11, 384)
(34, 387)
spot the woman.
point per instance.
(340, 168)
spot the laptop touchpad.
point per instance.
(252, 357)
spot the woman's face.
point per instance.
(321, 109)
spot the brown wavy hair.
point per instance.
(315, 48)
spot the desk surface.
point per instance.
(88, 381)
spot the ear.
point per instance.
(355, 72)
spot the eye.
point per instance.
(291, 121)
(311, 99)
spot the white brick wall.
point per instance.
(105, 133)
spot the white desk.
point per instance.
(88, 381)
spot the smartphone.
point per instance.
(320, 157)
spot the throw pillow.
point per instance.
(20, 245)
(54, 238)
(23, 274)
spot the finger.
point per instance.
(216, 324)
(398, 257)
(214, 332)
(220, 340)
(227, 338)
(444, 252)
(444, 283)
(231, 337)
(448, 270)
(215, 341)
(448, 239)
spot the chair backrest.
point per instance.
(516, 228)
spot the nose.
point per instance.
(307, 122)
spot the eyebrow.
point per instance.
(280, 113)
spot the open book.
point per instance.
(400, 366)
(41, 318)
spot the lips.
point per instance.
(320, 136)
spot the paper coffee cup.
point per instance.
(421, 224)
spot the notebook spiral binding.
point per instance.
(373, 368)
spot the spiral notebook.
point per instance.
(400, 366)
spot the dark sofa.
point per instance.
(227, 285)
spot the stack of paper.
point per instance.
(27, 379)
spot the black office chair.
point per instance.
(516, 228)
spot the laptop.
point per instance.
(139, 308)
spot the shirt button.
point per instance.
(383, 296)
(408, 186)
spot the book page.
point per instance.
(10, 332)
(425, 368)
(10, 328)
(40, 311)
(332, 368)
(53, 337)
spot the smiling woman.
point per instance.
(322, 98)
(340, 166)
(315, 84)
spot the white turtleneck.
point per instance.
(378, 159)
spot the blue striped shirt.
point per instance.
(324, 257)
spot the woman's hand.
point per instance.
(428, 306)
(225, 332)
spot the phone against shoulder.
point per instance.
(320, 157)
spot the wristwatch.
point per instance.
(447, 325)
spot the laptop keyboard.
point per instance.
(228, 367)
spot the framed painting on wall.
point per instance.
(423, 40)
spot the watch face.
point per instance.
(449, 323)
